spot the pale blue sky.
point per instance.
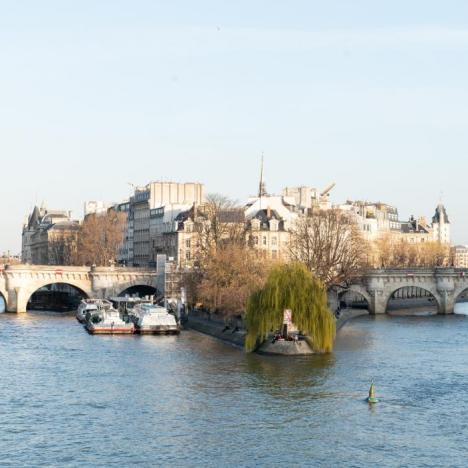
(370, 94)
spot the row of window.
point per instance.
(274, 240)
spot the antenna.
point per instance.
(260, 186)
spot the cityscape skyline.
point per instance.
(340, 194)
(95, 97)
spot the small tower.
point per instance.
(441, 225)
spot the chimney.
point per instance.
(268, 212)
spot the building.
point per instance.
(152, 211)
(96, 207)
(270, 219)
(309, 198)
(190, 232)
(415, 231)
(418, 230)
(373, 218)
(460, 256)
(49, 237)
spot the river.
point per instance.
(71, 399)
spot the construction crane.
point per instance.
(326, 192)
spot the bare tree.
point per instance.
(100, 238)
(219, 221)
(63, 248)
(229, 277)
(227, 269)
(330, 244)
(399, 253)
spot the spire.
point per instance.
(261, 187)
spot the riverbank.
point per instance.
(348, 314)
(216, 328)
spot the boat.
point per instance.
(90, 305)
(108, 322)
(150, 319)
(124, 304)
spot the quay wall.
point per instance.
(215, 329)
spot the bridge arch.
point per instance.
(140, 289)
(460, 299)
(355, 297)
(3, 301)
(25, 296)
(426, 292)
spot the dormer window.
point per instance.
(255, 224)
(273, 224)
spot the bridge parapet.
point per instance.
(445, 284)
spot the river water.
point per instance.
(71, 399)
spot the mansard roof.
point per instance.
(65, 226)
(413, 226)
(265, 216)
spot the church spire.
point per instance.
(261, 187)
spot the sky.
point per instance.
(97, 95)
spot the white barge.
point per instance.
(151, 319)
(108, 322)
(91, 306)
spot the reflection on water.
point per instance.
(2, 304)
(72, 399)
(276, 374)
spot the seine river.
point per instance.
(71, 399)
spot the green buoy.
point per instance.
(372, 398)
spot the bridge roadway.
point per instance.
(445, 284)
(19, 282)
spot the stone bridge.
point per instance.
(445, 284)
(19, 282)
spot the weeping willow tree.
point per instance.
(291, 286)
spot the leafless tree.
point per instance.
(219, 221)
(63, 248)
(100, 238)
(229, 277)
(399, 253)
(330, 244)
(226, 269)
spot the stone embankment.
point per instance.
(216, 327)
(348, 314)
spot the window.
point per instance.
(255, 240)
(273, 241)
(255, 224)
(274, 254)
(187, 243)
(187, 255)
(264, 240)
